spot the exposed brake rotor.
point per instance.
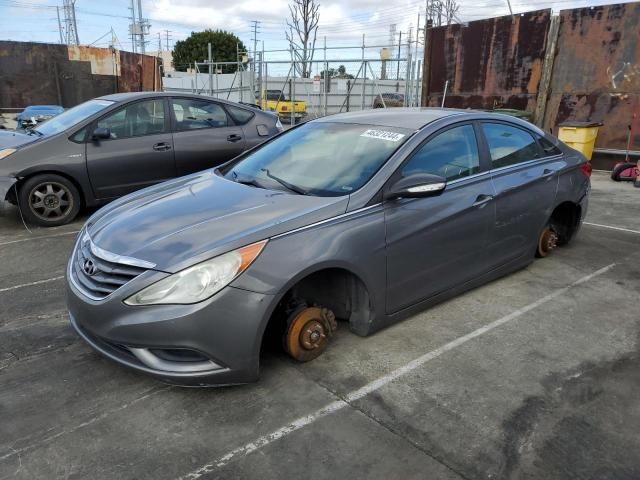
(309, 332)
(548, 241)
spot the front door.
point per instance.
(138, 154)
(203, 135)
(435, 243)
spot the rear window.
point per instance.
(509, 145)
(239, 115)
(549, 148)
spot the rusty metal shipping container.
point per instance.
(596, 72)
(493, 63)
(581, 66)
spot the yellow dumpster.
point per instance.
(580, 136)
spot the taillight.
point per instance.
(586, 168)
(284, 108)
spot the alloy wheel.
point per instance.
(50, 201)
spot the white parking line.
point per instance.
(612, 228)
(39, 237)
(31, 284)
(379, 383)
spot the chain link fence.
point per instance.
(337, 79)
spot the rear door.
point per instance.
(204, 135)
(435, 243)
(526, 182)
(139, 152)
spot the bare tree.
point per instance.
(301, 34)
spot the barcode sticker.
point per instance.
(383, 135)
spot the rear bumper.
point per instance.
(221, 337)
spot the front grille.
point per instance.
(97, 277)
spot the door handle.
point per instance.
(234, 138)
(547, 171)
(162, 146)
(482, 200)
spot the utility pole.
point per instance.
(255, 37)
(142, 24)
(167, 37)
(70, 24)
(133, 26)
(60, 29)
(159, 43)
(254, 54)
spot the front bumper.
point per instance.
(222, 335)
(5, 185)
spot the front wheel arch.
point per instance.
(355, 302)
(73, 192)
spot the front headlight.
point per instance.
(6, 152)
(197, 283)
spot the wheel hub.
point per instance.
(547, 242)
(309, 332)
(51, 201)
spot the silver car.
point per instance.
(361, 218)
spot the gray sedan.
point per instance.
(113, 145)
(362, 217)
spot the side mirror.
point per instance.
(418, 185)
(101, 133)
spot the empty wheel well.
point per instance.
(336, 289)
(565, 220)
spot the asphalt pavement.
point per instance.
(536, 375)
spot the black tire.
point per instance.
(615, 173)
(49, 200)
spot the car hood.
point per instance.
(193, 218)
(12, 139)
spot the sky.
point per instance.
(342, 22)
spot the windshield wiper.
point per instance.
(284, 183)
(33, 130)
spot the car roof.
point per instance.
(126, 96)
(411, 118)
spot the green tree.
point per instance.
(224, 48)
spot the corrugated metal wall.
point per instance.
(594, 72)
(36, 73)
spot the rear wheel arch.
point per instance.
(565, 220)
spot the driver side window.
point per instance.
(452, 154)
(135, 120)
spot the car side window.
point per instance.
(240, 115)
(452, 154)
(135, 120)
(548, 148)
(509, 145)
(192, 114)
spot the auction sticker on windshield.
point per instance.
(383, 135)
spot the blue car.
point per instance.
(35, 114)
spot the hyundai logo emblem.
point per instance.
(89, 267)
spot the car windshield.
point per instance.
(70, 117)
(319, 158)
